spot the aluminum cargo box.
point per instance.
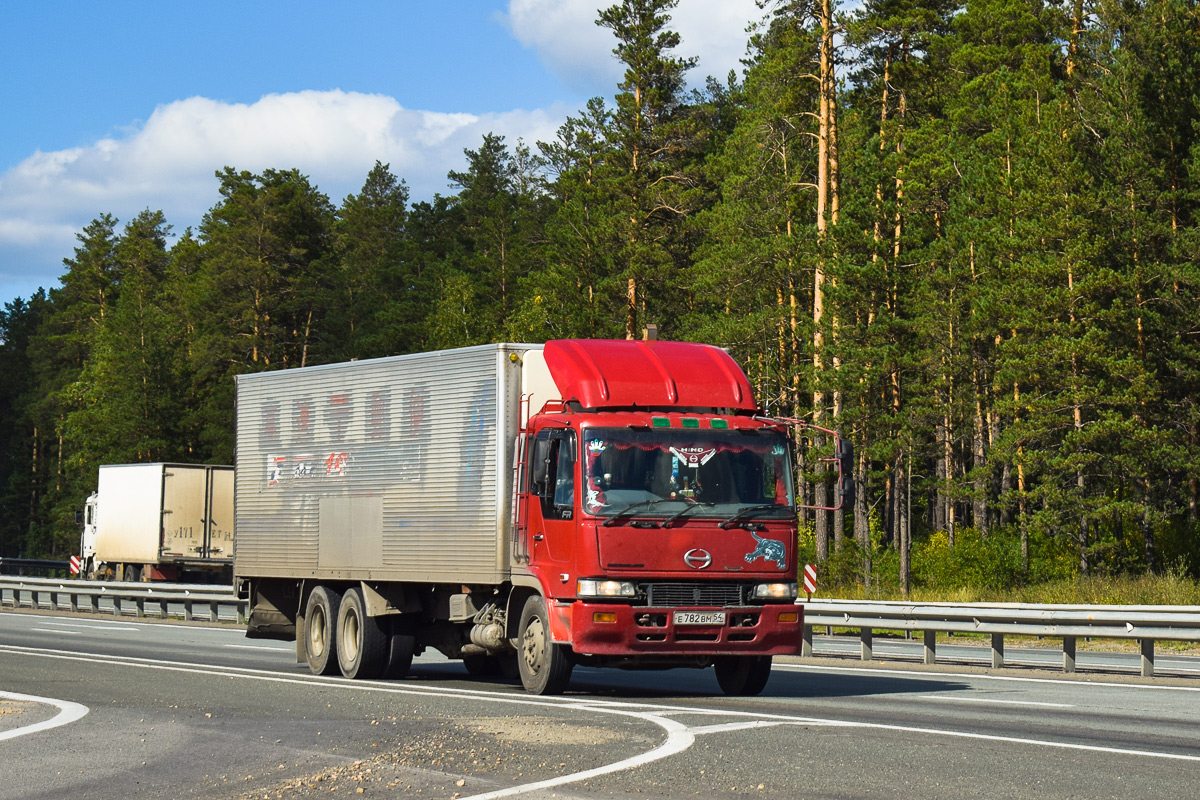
(164, 513)
(396, 468)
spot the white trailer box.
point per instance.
(390, 469)
(156, 514)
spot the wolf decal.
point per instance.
(768, 550)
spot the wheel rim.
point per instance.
(534, 646)
(350, 636)
(317, 632)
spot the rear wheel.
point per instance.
(132, 573)
(320, 640)
(362, 641)
(743, 676)
(401, 646)
(545, 667)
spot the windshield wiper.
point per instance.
(681, 512)
(751, 511)
(633, 507)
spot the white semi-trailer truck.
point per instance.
(159, 522)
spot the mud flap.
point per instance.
(560, 622)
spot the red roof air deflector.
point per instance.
(617, 373)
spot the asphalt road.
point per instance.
(96, 708)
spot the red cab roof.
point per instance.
(619, 373)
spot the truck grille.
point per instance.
(670, 595)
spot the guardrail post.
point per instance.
(187, 609)
(94, 603)
(1147, 657)
(74, 601)
(1068, 654)
(930, 649)
(997, 650)
(141, 606)
(865, 638)
(806, 638)
(214, 614)
(162, 608)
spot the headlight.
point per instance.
(775, 591)
(591, 587)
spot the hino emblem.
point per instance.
(697, 558)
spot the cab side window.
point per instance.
(553, 471)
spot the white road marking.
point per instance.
(86, 626)
(977, 676)
(57, 631)
(261, 647)
(679, 736)
(68, 712)
(958, 699)
(108, 625)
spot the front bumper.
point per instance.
(637, 630)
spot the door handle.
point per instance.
(537, 537)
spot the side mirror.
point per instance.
(846, 492)
(844, 450)
(78, 517)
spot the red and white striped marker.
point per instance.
(810, 579)
(75, 565)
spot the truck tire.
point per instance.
(401, 646)
(132, 573)
(481, 665)
(545, 667)
(362, 650)
(320, 640)
(743, 676)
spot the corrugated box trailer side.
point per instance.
(392, 469)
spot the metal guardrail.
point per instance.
(1146, 624)
(34, 566)
(126, 598)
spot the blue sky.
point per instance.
(125, 105)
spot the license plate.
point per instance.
(699, 617)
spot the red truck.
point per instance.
(522, 507)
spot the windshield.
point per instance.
(662, 472)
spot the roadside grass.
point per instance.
(1171, 589)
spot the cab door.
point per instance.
(554, 481)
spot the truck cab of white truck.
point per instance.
(89, 567)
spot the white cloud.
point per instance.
(168, 163)
(568, 41)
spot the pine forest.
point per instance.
(964, 234)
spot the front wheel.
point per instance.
(743, 676)
(545, 667)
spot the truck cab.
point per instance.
(656, 514)
(89, 566)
